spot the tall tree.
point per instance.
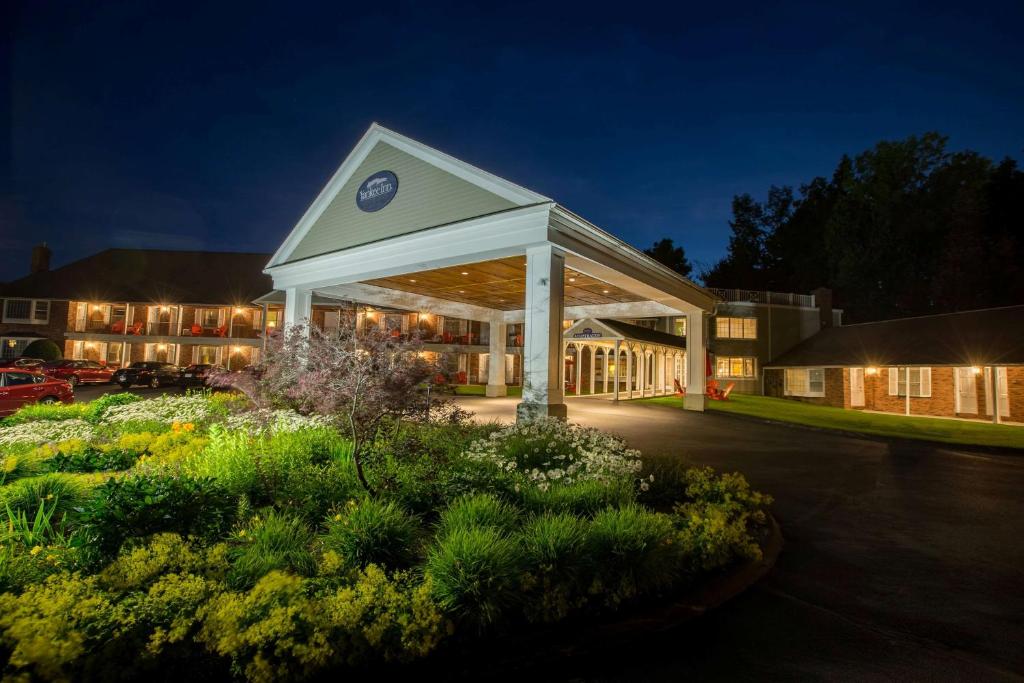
(903, 228)
(665, 252)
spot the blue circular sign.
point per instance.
(377, 191)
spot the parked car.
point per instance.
(77, 372)
(195, 375)
(23, 363)
(149, 373)
(20, 387)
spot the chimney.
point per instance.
(823, 298)
(40, 258)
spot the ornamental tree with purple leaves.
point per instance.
(358, 379)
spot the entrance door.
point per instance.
(856, 387)
(1004, 392)
(966, 391)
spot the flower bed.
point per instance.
(156, 536)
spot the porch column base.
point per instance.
(691, 402)
(528, 412)
(495, 390)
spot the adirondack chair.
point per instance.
(117, 328)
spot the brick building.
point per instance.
(957, 364)
(124, 305)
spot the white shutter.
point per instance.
(926, 382)
(894, 381)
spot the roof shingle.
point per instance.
(151, 275)
(993, 336)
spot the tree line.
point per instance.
(904, 228)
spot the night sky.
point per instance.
(169, 125)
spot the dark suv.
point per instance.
(149, 373)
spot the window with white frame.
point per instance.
(741, 367)
(27, 311)
(920, 382)
(206, 355)
(804, 382)
(735, 328)
(679, 327)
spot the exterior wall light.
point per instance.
(976, 370)
(871, 371)
(236, 349)
(239, 310)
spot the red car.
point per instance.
(19, 388)
(77, 372)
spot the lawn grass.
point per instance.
(478, 390)
(931, 429)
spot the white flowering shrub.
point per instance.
(549, 451)
(190, 408)
(273, 421)
(40, 432)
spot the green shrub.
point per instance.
(666, 481)
(19, 463)
(259, 467)
(64, 491)
(94, 410)
(371, 531)
(277, 630)
(716, 519)
(312, 491)
(43, 349)
(272, 541)
(633, 552)
(555, 561)
(146, 504)
(479, 510)
(52, 625)
(584, 498)
(77, 455)
(138, 567)
(46, 411)
(474, 573)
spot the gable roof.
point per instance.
(609, 329)
(482, 193)
(993, 336)
(150, 275)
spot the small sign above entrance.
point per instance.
(377, 191)
(587, 333)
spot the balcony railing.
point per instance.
(758, 297)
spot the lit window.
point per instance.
(804, 382)
(736, 328)
(679, 327)
(920, 382)
(734, 366)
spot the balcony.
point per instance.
(757, 297)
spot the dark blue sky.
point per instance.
(178, 126)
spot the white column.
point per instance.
(496, 362)
(629, 371)
(996, 417)
(543, 362)
(696, 374)
(579, 369)
(592, 357)
(641, 370)
(607, 368)
(617, 370)
(298, 307)
(907, 398)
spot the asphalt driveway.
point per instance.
(902, 561)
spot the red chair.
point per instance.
(197, 330)
(117, 328)
(461, 378)
(447, 337)
(221, 331)
(135, 329)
